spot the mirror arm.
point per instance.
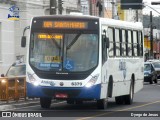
(28, 27)
(23, 39)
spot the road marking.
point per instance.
(155, 84)
(98, 115)
(32, 106)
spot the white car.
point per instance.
(16, 70)
(156, 65)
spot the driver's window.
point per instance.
(104, 46)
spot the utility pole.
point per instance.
(155, 3)
(53, 7)
(100, 5)
(157, 44)
(103, 8)
(60, 8)
(90, 6)
(151, 36)
(113, 3)
(137, 15)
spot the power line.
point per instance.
(152, 8)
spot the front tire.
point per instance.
(70, 101)
(119, 100)
(79, 102)
(102, 104)
(45, 102)
(128, 99)
(151, 80)
(156, 81)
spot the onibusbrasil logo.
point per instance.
(14, 13)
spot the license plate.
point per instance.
(61, 95)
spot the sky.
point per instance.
(147, 9)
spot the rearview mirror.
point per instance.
(2, 75)
(23, 41)
(107, 42)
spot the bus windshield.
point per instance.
(76, 52)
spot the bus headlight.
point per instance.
(92, 81)
(32, 79)
(3, 81)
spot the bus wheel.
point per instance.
(155, 81)
(151, 81)
(79, 102)
(70, 101)
(102, 104)
(128, 99)
(45, 102)
(119, 100)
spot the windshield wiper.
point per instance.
(55, 42)
(74, 40)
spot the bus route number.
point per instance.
(52, 59)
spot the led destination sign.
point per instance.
(46, 36)
(65, 24)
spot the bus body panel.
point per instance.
(122, 78)
(72, 93)
(104, 70)
(134, 65)
(50, 85)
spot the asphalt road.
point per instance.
(146, 105)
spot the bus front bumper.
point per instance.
(70, 92)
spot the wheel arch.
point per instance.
(133, 80)
(110, 86)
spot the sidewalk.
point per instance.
(21, 103)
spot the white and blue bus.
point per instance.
(81, 58)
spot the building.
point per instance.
(131, 15)
(112, 9)
(10, 32)
(85, 7)
(156, 43)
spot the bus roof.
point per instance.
(106, 21)
(67, 16)
(122, 24)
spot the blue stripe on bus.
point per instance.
(84, 93)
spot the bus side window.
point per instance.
(124, 48)
(135, 43)
(120, 38)
(129, 42)
(141, 43)
(117, 42)
(104, 46)
(138, 44)
(126, 41)
(110, 35)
